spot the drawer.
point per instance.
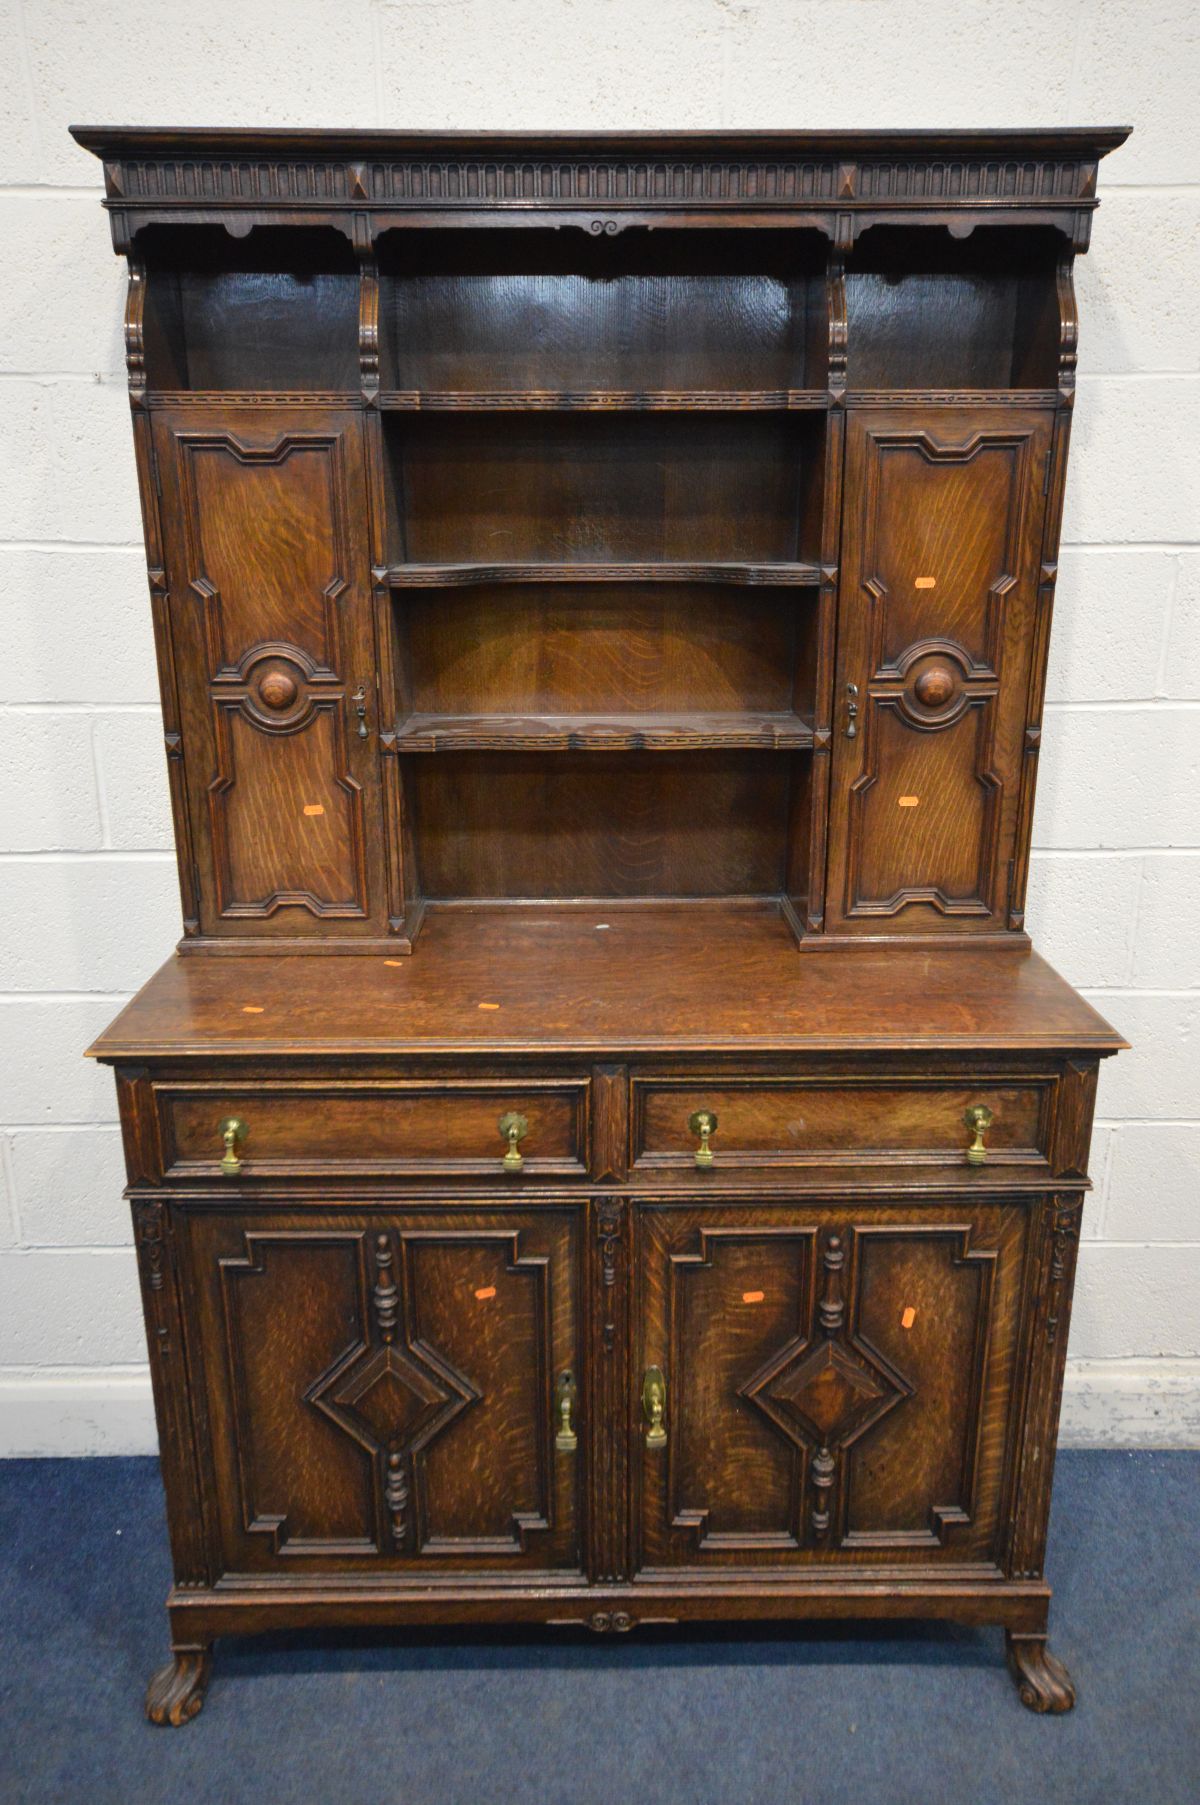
(422, 1127)
(797, 1121)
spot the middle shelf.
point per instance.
(602, 733)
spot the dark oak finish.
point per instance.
(590, 575)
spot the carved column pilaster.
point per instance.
(161, 1308)
(608, 1301)
(1056, 1245)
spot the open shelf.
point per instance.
(928, 311)
(275, 311)
(597, 733)
(604, 488)
(535, 310)
(466, 576)
(518, 825)
(625, 655)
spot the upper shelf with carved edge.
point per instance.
(369, 182)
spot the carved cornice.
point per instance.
(838, 182)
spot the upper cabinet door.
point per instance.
(939, 590)
(266, 548)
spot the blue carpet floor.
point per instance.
(908, 1716)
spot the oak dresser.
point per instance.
(605, 1152)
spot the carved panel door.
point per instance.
(939, 591)
(269, 620)
(388, 1387)
(837, 1383)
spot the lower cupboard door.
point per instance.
(835, 1384)
(385, 1388)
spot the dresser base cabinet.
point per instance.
(772, 1328)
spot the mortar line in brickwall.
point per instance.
(1126, 705)
(99, 788)
(1134, 924)
(59, 1127)
(1147, 1122)
(1115, 852)
(1129, 990)
(1164, 649)
(116, 998)
(93, 708)
(104, 1250)
(1103, 1184)
(119, 1369)
(10, 1188)
(127, 546)
(68, 855)
(1128, 1246)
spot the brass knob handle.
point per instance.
(565, 1394)
(978, 1119)
(514, 1128)
(852, 711)
(704, 1123)
(233, 1131)
(654, 1406)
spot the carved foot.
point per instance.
(1042, 1681)
(176, 1692)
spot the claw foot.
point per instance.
(1042, 1681)
(176, 1692)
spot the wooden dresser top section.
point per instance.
(369, 182)
(539, 981)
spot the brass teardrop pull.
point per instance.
(514, 1128)
(233, 1132)
(704, 1123)
(565, 1395)
(654, 1406)
(978, 1119)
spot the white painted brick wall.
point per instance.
(87, 886)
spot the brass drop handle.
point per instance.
(704, 1123)
(359, 699)
(852, 711)
(978, 1119)
(514, 1128)
(233, 1131)
(565, 1394)
(654, 1406)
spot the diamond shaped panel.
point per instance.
(389, 1399)
(822, 1396)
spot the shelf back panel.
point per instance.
(555, 487)
(502, 311)
(557, 649)
(631, 824)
